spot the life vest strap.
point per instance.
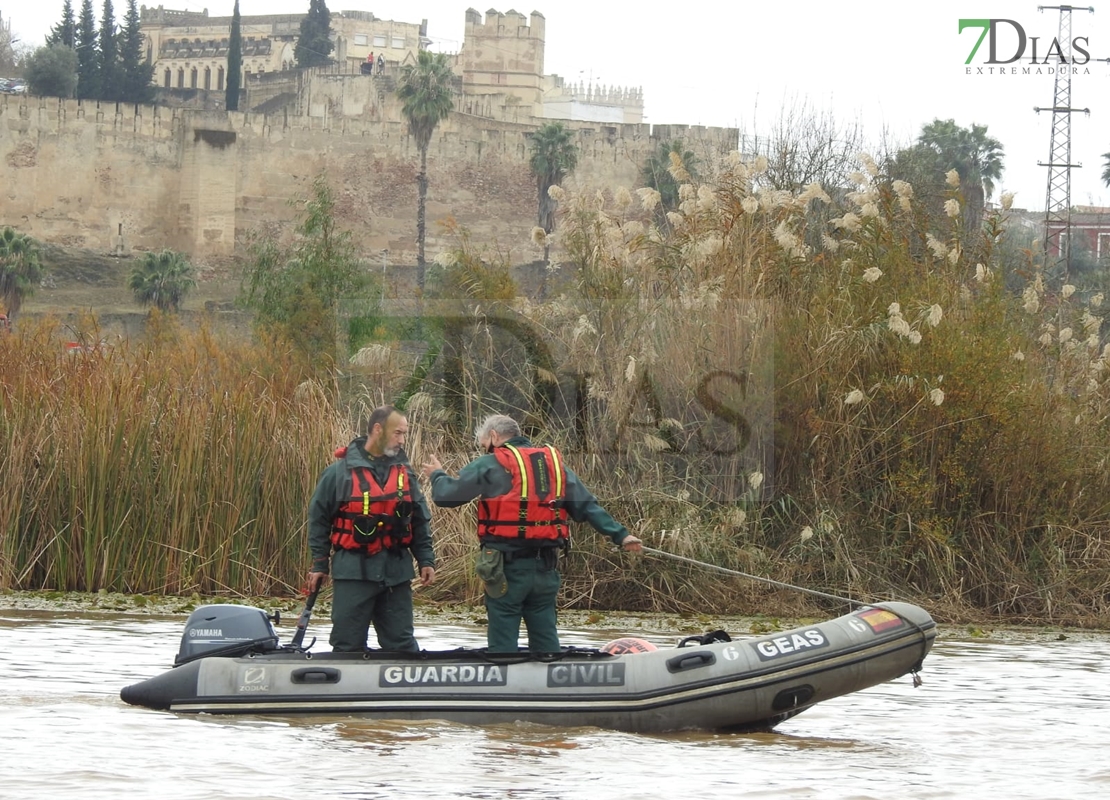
(374, 517)
(549, 522)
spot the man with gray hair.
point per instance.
(525, 495)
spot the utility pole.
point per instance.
(1057, 206)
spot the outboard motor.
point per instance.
(226, 630)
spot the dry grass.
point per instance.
(844, 401)
(173, 464)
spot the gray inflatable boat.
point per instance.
(231, 662)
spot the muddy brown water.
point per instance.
(1014, 716)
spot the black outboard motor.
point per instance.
(226, 630)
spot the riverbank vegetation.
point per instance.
(838, 390)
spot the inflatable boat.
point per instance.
(230, 662)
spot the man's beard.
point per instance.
(391, 451)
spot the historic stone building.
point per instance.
(189, 48)
(121, 178)
(501, 62)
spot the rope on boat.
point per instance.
(781, 585)
(771, 581)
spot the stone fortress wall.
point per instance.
(119, 178)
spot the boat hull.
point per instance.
(748, 684)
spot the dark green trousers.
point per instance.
(531, 597)
(357, 605)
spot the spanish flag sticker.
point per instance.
(880, 619)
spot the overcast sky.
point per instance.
(890, 67)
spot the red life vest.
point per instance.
(532, 508)
(374, 517)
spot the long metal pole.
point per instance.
(1057, 234)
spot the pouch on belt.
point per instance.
(490, 568)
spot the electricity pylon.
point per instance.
(1057, 205)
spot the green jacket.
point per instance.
(485, 477)
(383, 567)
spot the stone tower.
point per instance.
(503, 54)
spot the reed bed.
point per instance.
(168, 465)
(914, 428)
(843, 395)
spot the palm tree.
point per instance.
(554, 156)
(1106, 169)
(425, 92)
(976, 157)
(20, 269)
(162, 280)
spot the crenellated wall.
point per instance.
(201, 182)
(503, 54)
(73, 172)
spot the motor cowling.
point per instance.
(226, 630)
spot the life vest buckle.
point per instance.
(366, 528)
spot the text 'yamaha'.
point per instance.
(211, 633)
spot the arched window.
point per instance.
(193, 79)
(181, 77)
(220, 79)
(167, 78)
(207, 78)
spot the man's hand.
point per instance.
(631, 543)
(315, 581)
(427, 576)
(431, 464)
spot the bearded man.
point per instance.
(367, 521)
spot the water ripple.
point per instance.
(982, 723)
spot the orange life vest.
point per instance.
(532, 508)
(374, 517)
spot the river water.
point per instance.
(1009, 716)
